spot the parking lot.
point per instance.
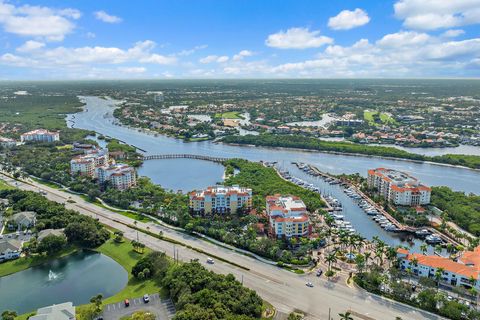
(161, 308)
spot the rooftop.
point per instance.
(63, 311)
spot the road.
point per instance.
(285, 290)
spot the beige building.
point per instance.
(287, 216)
(220, 199)
(398, 187)
(87, 163)
(40, 135)
(120, 176)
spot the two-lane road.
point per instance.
(284, 289)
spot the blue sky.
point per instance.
(238, 39)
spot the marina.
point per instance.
(198, 174)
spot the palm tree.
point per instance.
(438, 277)
(345, 316)
(367, 256)
(331, 258)
(379, 254)
(391, 254)
(424, 248)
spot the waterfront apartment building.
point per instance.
(221, 199)
(464, 272)
(398, 187)
(287, 216)
(88, 163)
(7, 142)
(40, 135)
(120, 176)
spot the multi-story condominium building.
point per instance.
(40, 135)
(398, 187)
(7, 142)
(288, 216)
(120, 176)
(87, 163)
(463, 272)
(221, 199)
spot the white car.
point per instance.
(309, 284)
(210, 261)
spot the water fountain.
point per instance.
(52, 275)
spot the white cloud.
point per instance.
(404, 38)
(65, 57)
(419, 56)
(192, 51)
(214, 58)
(35, 21)
(297, 38)
(134, 70)
(437, 14)
(242, 54)
(159, 59)
(105, 17)
(347, 19)
(90, 35)
(30, 45)
(453, 33)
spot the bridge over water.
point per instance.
(184, 156)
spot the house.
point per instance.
(23, 220)
(63, 311)
(10, 249)
(464, 272)
(49, 232)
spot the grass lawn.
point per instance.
(229, 115)
(4, 186)
(124, 254)
(384, 118)
(17, 265)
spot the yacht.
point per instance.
(433, 239)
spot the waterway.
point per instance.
(98, 116)
(363, 223)
(74, 278)
(191, 174)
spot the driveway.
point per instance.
(162, 308)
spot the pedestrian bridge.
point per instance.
(183, 156)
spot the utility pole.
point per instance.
(242, 279)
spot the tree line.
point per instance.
(302, 142)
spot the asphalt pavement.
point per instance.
(285, 290)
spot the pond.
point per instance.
(74, 278)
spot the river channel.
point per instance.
(187, 174)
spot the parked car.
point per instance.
(210, 261)
(127, 303)
(319, 272)
(146, 298)
(309, 284)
